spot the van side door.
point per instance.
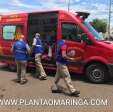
(71, 33)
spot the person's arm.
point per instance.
(28, 49)
(75, 59)
(12, 49)
(63, 51)
(64, 54)
(33, 45)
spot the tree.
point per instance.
(99, 25)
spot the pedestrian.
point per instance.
(38, 50)
(62, 70)
(21, 50)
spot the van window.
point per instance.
(71, 32)
(10, 32)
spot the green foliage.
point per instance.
(99, 25)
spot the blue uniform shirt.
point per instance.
(38, 45)
(59, 57)
(20, 51)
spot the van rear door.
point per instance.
(11, 28)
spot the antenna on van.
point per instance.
(83, 15)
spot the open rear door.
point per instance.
(12, 27)
(44, 23)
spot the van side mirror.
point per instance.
(87, 41)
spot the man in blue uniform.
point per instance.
(21, 50)
(38, 50)
(62, 70)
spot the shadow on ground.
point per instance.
(51, 73)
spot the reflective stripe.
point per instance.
(20, 51)
(38, 45)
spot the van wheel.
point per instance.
(12, 68)
(97, 73)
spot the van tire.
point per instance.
(97, 73)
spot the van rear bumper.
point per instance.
(110, 69)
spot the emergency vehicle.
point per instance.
(96, 53)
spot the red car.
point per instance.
(96, 53)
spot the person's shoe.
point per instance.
(42, 78)
(76, 93)
(56, 91)
(17, 81)
(24, 81)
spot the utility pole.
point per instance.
(109, 21)
(68, 5)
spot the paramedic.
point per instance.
(38, 50)
(62, 70)
(21, 51)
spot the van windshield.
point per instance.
(93, 31)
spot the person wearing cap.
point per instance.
(21, 50)
(38, 50)
(62, 70)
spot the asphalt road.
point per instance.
(93, 97)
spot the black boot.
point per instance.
(55, 90)
(76, 93)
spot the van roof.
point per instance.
(35, 12)
(25, 15)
